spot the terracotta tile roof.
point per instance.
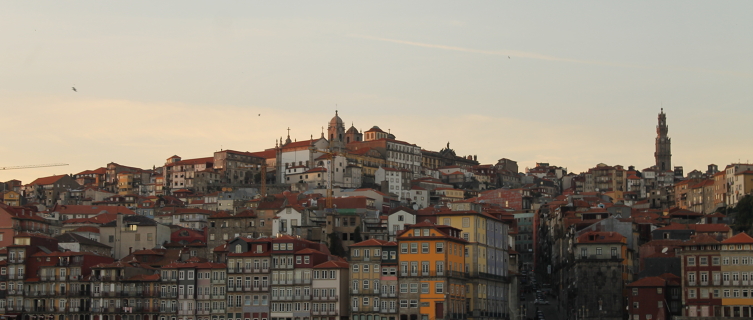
(307, 251)
(369, 243)
(649, 282)
(700, 239)
(46, 180)
(711, 227)
(99, 171)
(332, 265)
(600, 237)
(740, 238)
(90, 210)
(144, 277)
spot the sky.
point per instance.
(573, 84)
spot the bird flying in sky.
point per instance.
(74, 89)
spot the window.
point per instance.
(439, 287)
(691, 261)
(414, 247)
(691, 293)
(704, 261)
(424, 247)
(403, 304)
(635, 304)
(614, 252)
(403, 248)
(424, 287)
(598, 251)
(355, 268)
(635, 291)
(440, 247)
(466, 222)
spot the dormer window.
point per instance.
(238, 248)
(416, 232)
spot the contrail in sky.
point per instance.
(533, 55)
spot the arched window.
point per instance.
(238, 248)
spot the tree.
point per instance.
(357, 235)
(335, 245)
(743, 215)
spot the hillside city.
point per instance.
(361, 225)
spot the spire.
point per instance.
(288, 139)
(322, 132)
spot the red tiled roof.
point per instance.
(700, 239)
(332, 265)
(710, 227)
(101, 170)
(370, 243)
(144, 277)
(86, 229)
(46, 180)
(649, 282)
(91, 210)
(740, 238)
(600, 237)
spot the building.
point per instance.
(601, 274)
(224, 226)
(128, 233)
(655, 298)
(702, 277)
(371, 281)
(432, 273)
(50, 190)
(486, 258)
(734, 189)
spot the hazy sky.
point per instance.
(573, 84)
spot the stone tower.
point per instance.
(663, 154)
(336, 131)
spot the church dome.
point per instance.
(352, 130)
(336, 121)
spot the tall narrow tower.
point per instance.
(663, 154)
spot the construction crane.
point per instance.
(34, 166)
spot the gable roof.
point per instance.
(649, 282)
(740, 238)
(46, 180)
(370, 243)
(69, 237)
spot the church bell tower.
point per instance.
(663, 154)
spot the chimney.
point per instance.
(130, 250)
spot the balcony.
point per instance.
(735, 282)
(376, 309)
(332, 313)
(318, 313)
(73, 309)
(354, 291)
(332, 298)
